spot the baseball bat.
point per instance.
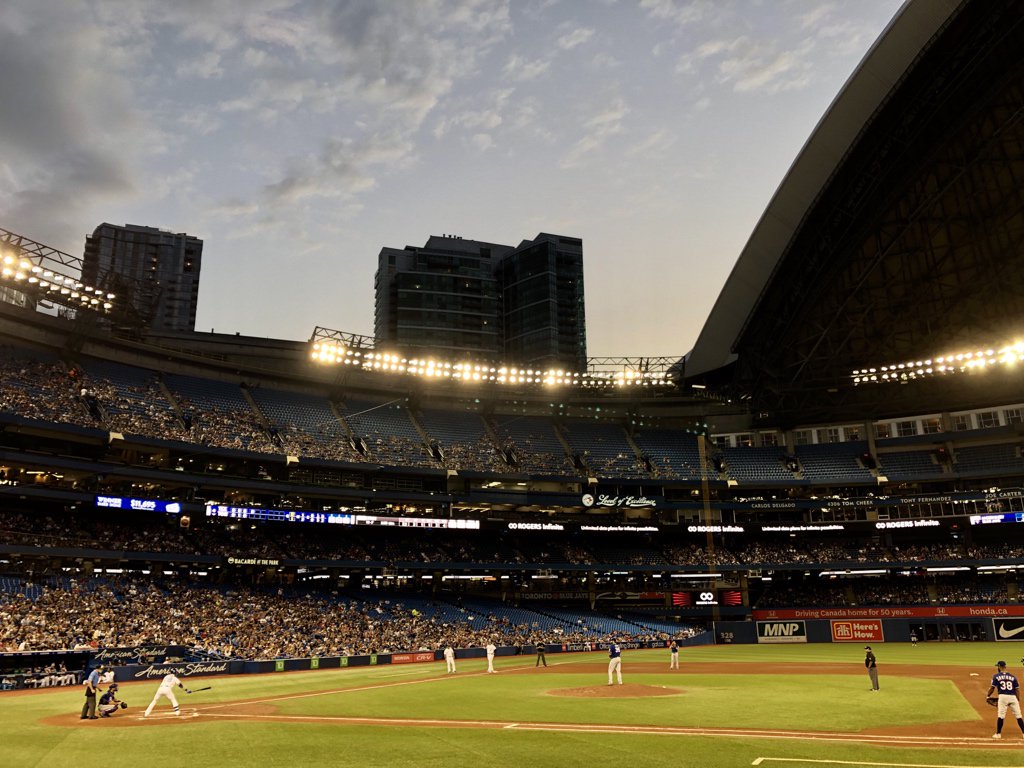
(204, 688)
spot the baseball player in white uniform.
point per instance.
(614, 662)
(167, 689)
(449, 658)
(490, 656)
(673, 657)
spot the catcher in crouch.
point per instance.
(109, 703)
(1004, 693)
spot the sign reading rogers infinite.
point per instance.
(892, 612)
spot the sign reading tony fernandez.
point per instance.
(781, 632)
(1009, 629)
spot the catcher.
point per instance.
(109, 703)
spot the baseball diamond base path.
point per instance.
(938, 735)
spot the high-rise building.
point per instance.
(468, 299)
(543, 316)
(154, 270)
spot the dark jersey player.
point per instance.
(1007, 688)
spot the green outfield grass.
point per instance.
(772, 698)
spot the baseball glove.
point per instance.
(124, 705)
(991, 701)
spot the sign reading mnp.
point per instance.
(781, 632)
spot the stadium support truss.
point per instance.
(334, 347)
(48, 277)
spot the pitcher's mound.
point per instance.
(625, 691)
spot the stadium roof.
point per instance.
(898, 230)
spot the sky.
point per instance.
(297, 138)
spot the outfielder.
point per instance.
(673, 659)
(167, 689)
(1009, 697)
(614, 662)
(449, 658)
(490, 656)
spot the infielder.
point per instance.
(490, 656)
(449, 658)
(1009, 698)
(167, 689)
(871, 664)
(614, 662)
(673, 658)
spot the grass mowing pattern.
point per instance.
(826, 702)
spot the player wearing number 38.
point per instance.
(1006, 686)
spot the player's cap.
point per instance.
(867, 647)
(1000, 663)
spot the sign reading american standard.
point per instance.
(140, 654)
(190, 668)
(781, 632)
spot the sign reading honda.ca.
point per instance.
(857, 631)
(781, 632)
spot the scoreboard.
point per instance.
(706, 597)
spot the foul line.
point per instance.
(760, 760)
(650, 730)
(334, 691)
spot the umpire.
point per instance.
(92, 683)
(872, 666)
(540, 655)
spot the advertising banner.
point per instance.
(187, 669)
(412, 658)
(893, 612)
(781, 632)
(139, 654)
(857, 631)
(1009, 629)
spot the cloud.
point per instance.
(345, 168)
(763, 69)
(680, 12)
(574, 38)
(71, 134)
(518, 68)
(205, 66)
(599, 128)
(482, 141)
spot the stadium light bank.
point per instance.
(26, 275)
(976, 361)
(330, 351)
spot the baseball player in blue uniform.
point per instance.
(1008, 689)
(614, 662)
(109, 703)
(92, 687)
(673, 659)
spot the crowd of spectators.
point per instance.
(247, 623)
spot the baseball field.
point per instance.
(782, 705)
